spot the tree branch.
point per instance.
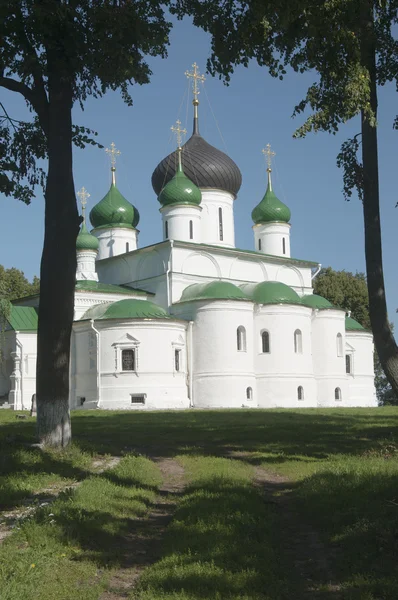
(17, 86)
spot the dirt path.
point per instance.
(143, 543)
(300, 545)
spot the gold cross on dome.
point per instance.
(196, 78)
(268, 153)
(112, 153)
(83, 196)
(178, 132)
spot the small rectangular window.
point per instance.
(259, 244)
(177, 359)
(166, 230)
(82, 400)
(284, 245)
(138, 398)
(191, 230)
(128, 360)
(220, 224)
(127, 247)
(347, 363)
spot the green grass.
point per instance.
(71, 548)
(343, 472)
(220, 542)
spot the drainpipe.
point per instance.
(97, 334)
(319, 267)
(190, 361)
(22, 373)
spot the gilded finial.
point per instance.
(113, 153)
(195, 83)
(178, 133)
(269, 154)
(83, 196)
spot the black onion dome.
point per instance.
(203, 164)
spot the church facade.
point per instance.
(193, 321)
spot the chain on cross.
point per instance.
(196, 78)
(112, 153)
(178, 132)
(268, 153)
(83, 197)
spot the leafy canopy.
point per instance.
(95, 45)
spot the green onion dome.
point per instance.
(315, 301)
(353, 325)
(130, 308)
(114, 211)
(213, 290)
(86, 241)
(274, 292)
(270, 209)
(180, 190)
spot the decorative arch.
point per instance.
(150, 265)
(241, 339)
(290, 276)
(252, 270)
(201, 263)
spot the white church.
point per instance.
(193, 321)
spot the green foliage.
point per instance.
(96, 46)
(14, 285)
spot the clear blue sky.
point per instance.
(253, 111)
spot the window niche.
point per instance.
(300, 393)
(339, 344)
(298, 342)
(126, 355)
(265, 342)
(241, 339)
(337, 394)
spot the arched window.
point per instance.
(265, 347)
(337, 394)
(249, 393)
(300, 393)
(259, 244)
(284, 245)
(339, 342)
(241, 339)
(220, 225)
(127, 247)
(298, 342)
(166, 230)
(191, 230)
(348, 363)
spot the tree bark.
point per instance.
(384, 339)
(57, 270)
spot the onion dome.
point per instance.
(213, 290)
(274, 292)
(86, 241)
(203, 164)
(126, 309)
(180, 190)
(114, 211)
(315, 301)
(353, 325)
(270, 209)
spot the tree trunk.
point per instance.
(384, 340)
(57, 271)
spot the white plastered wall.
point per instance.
(114, 241)
(280, 372)
(86, 265)
(328, 359)
(359, 345)
(183, 223)
(221, 372)
(155, 343)
(218, 218)
(272, 238)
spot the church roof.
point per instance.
(126, 309)
(86, 241)
(202, 163)
(315, 301)
(108, 288)
(271, 292)
(213, 290)
(23, 318)
(180, 190)
(353, 325)
(114, 211)
(270, 209)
